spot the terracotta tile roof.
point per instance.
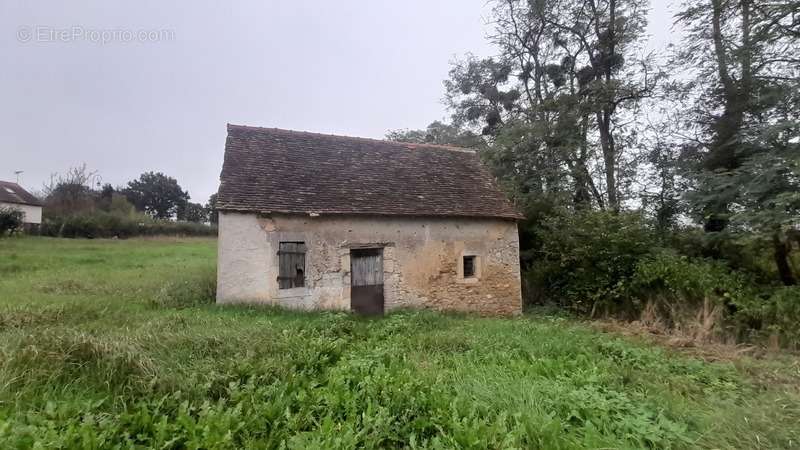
(273, 170)
(14, 193)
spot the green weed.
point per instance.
(138, 358)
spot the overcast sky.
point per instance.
(156, 95)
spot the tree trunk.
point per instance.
(735, 93)
(736, 98)
(609, 158)
(605, 112)
(585, 190)
(782, 260)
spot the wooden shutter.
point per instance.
(291, 265)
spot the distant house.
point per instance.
(14, 196)
(316, 221)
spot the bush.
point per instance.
(694, 296)
(101, 224)
(585, 256)
(10, 220)
(774, 316)
(707, 298)
(688, 280)
(699, 285)
(747, 253)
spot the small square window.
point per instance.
(291, 265)
(469, 266)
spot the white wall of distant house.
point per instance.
(33, 214)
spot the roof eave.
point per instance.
(13, 202)
(514, 217)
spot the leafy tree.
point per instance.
(104, 197)
(70, 193)
(156, 194)
(478, 92)
(211, 208)
(661, 179)
(439, 133)
(764, 198)
(557, 96)
(192, 212)
(745, 58)
(120, 206)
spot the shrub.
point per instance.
(192, 290)
(707, 298)
(10, 220)
(695, 296)
(101, 224)
(743, 252)
(686, 279)
(775, 316)
(584, 256)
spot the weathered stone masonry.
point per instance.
(422, 261)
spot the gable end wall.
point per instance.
(32, 214)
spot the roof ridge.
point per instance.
(407, 145)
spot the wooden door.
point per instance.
(366, 281)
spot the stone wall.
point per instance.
(423, 260)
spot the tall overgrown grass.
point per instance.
(113, 344)
(248, 377)
(187, 290)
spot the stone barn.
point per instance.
(315, 221)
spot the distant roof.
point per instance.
(14, 193)
(269, 170)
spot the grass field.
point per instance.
(92, 355)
